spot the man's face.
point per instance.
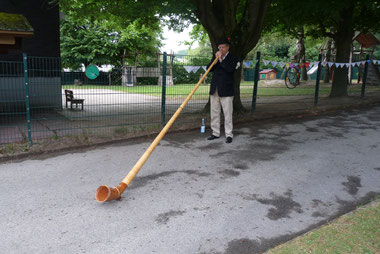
(223, 48)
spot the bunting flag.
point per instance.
(324, 63)
(247, 64)
(191, 68)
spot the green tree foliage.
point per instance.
(199, 35)
(105, 38)
(85, 44)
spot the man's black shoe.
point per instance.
(228, 140)
(212, 137)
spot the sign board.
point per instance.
(92, 72)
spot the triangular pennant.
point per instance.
(287, 65)
(347, 65)
(274, 63)
(282, 64)
(266, 62)
(188, 68)
(330, 64)
(306, 65)
(291, 65)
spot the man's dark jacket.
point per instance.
(223, 76)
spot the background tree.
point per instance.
(103, 41)
(337, 20)
(281, 21)
(241, 21)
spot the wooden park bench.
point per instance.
(70, 98)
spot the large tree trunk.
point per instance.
(220, 19)
(343, 41)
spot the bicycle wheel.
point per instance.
(292, 78)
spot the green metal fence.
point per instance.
(34, 107)
(122, 101)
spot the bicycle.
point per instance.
(292, 77)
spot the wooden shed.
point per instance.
(268, 74)
(368, 43)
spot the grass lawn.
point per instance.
(356, 232)
(246, 89)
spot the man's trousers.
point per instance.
(218, 103)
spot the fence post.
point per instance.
(27, 101)
(163, 100)
(256, 81)
(316, 94)
(365, 76)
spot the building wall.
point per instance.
(43, 50)
(44, 19)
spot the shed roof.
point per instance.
(268, 71)
(14, 23)
(367, 40)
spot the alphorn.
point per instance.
(105, 193)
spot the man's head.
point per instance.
(223, 46)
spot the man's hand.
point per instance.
(218, 54)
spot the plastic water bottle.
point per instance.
(203, 127)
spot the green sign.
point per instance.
(92, 72)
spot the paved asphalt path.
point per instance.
(276, 180)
